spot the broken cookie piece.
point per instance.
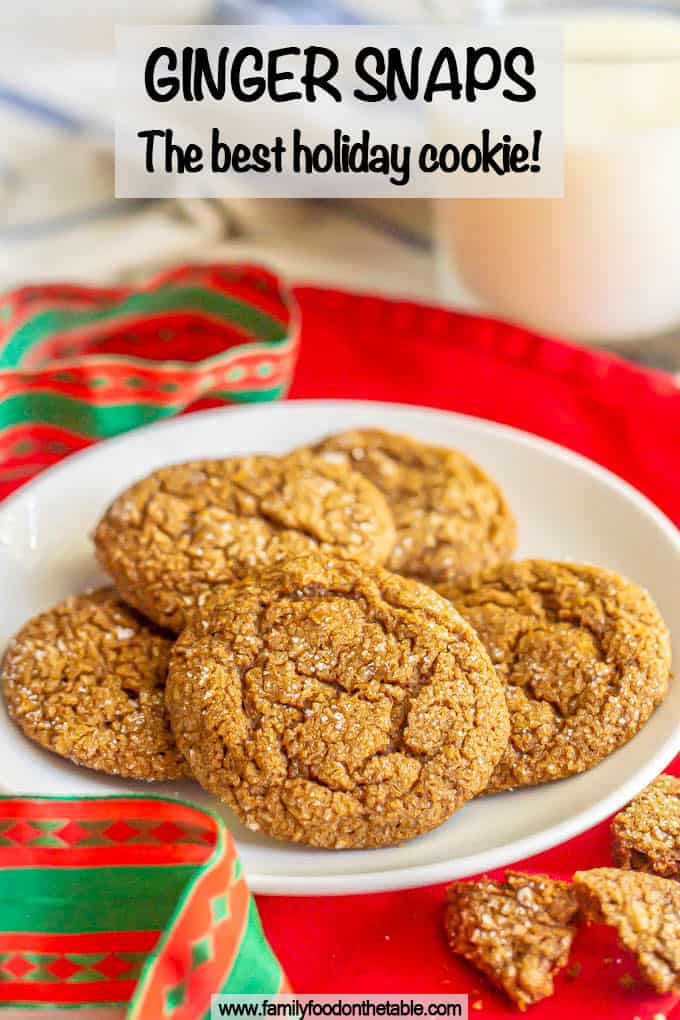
(518, 932)
(647, 833)
(644, 910)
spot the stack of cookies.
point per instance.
(336, 644)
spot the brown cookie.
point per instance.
(86, 680)
(647, 833)
(518, 932)
(584, 655)
(175, 534)
(335, 704)
(645, 911)
(451, 518)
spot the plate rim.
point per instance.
(418, 875)
(487, 424)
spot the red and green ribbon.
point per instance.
(116, 900)
(137, 900)
(71, 371)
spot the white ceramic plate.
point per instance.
(567, 508)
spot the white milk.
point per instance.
(602, 264)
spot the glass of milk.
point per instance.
(601, 265)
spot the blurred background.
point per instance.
(58, 217)
(600, 266)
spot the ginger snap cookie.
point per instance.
(584, 655)
(645, 911)
(646, 834)
(451, 518)
(168, 539)
(86, 680)
(517, 932)
(332, 703)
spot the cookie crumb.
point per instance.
(645, 912)
(573, 972)
(518, 932)
(627, 981)
(646, 834)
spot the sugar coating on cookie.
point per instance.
(584, 655)
(646, 834)
(86, 680)
(644, 910)
(335, 704)
(451, 518)
(517, 932)
(169, 538)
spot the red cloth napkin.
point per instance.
(623, 417)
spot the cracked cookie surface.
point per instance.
(646, 834)
(584, 655)
(518, 932)
(335, 704)
(86, 680)
(175, 534)
(451, 518)
(645, 911)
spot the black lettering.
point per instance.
(449, 158)
(274, 75)
(314, 77)
(150, 137)
(445, 62)
(473, 82)
(176, 158)
(203, 74)
(379, 90)
(427, 158)
(247, 90)
(169, 84)
(399, 81)
(513, 55)
(518, 159)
